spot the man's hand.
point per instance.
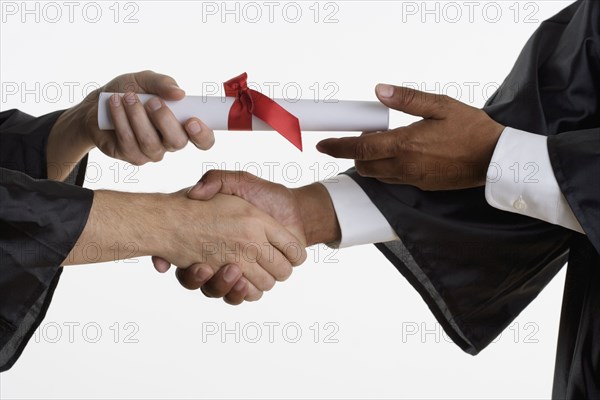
(276, 200)
(450, 148)
(306, 212)
(224, 234)
(228, 230)
(142, 133)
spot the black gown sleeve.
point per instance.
(40, 221)
(575, 158)
(478, 267)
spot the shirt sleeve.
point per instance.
(360, 220)
(40, 221)
(521, 180)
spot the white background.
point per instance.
(383, 342)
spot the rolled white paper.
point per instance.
(313, 116)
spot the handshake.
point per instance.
(233, 234)
(261, 230)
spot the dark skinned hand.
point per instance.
(450, 148)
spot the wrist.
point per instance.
(494, 130)
(318, 214)
(68, 141)
(162, 221)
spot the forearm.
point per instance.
(121, 226)
(67, 142)
(318, 215)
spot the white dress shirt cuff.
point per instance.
(520, 179)
(360, 220)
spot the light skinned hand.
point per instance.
(276, 200)
(143, 133)
(232, 237)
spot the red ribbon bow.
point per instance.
(249, 102)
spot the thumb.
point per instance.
(159, 84)
(413, 102)
(235, 183)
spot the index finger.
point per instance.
(367, 147)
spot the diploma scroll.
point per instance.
(313, 115)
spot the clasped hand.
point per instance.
(259, 202)
(250, 231)
(449, 148)
(245, 250)
(227, 238)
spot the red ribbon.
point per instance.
(249, 102)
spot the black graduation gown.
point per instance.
(478, 267)
(40, 222)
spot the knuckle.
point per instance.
(284, 273)
(233, 301)
(267, 284)
(298, 259)
(146, 72)
(137, 161)
(176, 143)
(414, 148)
(158, 156)
(247, 176)
(407, 97)
(279, 272)
(152, 150)
(212, 174)
(443, 102)
(444, 99)
(362, 150)
(255, 296)
(400, 146)
(165, 80)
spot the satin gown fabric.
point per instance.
(40, 222)
(478, 267)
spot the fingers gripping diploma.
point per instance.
(450, 148)
(144, 132)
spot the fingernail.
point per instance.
(203, 274)
(230, 274)
(154, 104)
(161, 268)
(194, 127)
(239, 286)
(130, 98)
(196, 186)
(384, 90)
(115, 99)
